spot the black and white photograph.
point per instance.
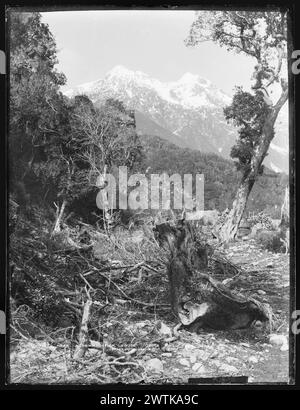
(149, 181)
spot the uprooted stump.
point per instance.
(217, 307)
(185, 254)
(198, 300)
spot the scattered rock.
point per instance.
(261, 292)
(155, 364)
(96, 344)
(232, 359)
(184, 362)
(188, 346)
(167, 348)
(284, 347)
(278, 340)
(202, 370)
(196, 367)
(141, 324)
(253, 359)
(193, 358)
(165, 330)
(199, 353)
(227, 368)
(167, 354)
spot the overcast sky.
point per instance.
(90, 43)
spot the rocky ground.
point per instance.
(150, 353)
(259, 353)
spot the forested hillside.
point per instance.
(220, 176)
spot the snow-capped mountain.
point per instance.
(190, 91)
(187, 112)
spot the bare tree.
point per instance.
(108, 140)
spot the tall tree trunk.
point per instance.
(230, 227)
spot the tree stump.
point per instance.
(185, 255)
(198, 300)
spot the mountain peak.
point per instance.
(119, 70)
(189, 78)
(123, 73)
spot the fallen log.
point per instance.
(198, 300)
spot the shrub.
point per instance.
(270, 240)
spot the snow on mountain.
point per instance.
(190, 91)
(193, 91)
(187, 112)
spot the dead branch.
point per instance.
(84, 334)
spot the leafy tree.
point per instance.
(35, 103)
(263, 37)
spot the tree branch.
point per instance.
(282, 100)
(280, 52)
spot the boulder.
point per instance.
(155, 365)
(278, 340)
